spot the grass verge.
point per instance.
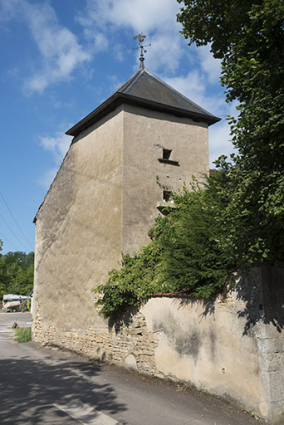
(23, 335)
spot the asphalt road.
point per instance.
(44, 386)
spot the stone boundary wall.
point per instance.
(132, 346)
(232, 347)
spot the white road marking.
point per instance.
(85, 414)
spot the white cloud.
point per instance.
(193, 86)
(48, 178)
(165, 52)
(219, 141)
(140, 15)
(219, 135)
(104, 19)
(100, 42)
(210, 65)
(57, 145)
(157, 19)
(9, 9)
(60, 51)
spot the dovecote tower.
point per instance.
(105, 198)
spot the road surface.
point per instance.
(44, 386)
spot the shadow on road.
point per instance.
(29, 386)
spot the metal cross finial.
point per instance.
(140, 39)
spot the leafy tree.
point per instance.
(2, 273)
(248, 37)
(16, 273)
(195, 250)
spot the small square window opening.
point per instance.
(167, 194)
(166, 153)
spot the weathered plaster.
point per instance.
(78, 227)
(145, 133)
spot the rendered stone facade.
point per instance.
(146, 135)
(78, 227)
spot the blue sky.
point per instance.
(59, 60)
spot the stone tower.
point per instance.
(105, 198)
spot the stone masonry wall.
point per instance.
(132, 346)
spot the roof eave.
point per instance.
(118, 98)
(94, 116)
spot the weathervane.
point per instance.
(140, 39)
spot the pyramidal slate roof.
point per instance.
(146, 90)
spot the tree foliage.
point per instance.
(2, 272)
(16, 273)
(248, 37)
(128, 285)
(195, 251)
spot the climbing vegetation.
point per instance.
(188, 252)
